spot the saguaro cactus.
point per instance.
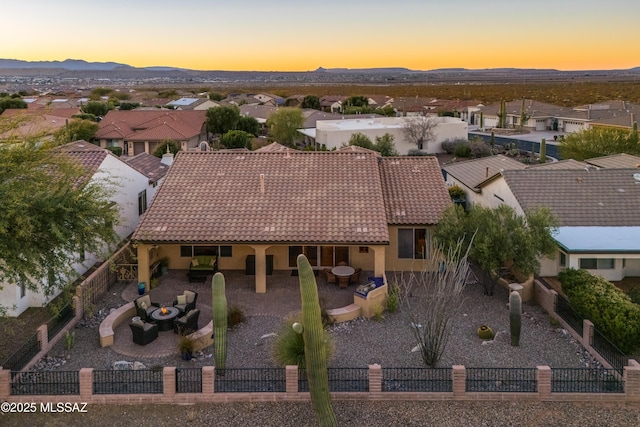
(219, 305)
(515, 317)
(543, 150)
(314, 349)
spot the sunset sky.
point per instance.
(286, 35)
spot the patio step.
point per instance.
(344, 314)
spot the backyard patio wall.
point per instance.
(459, 386)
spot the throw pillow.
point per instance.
(189, 296)
(212, 262)
(143, 305)
(138, 323)
(194, 262)
(182, 299)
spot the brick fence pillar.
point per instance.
(544, 382)
(86, 384)
(208, 379)
(43, 337)
(587, 332)
(632, 382)
(169, 382)
(459, 378)
(5, 383)
(375, 378)
(76, 303)
(291, 373)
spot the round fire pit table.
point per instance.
(165, 320)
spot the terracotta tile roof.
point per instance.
(474, 172)
(319, 197)
(89, 155)
(413, 189)
(615, 161)
(148, 165)
(274, 147)
(604, 197)
(158, 124)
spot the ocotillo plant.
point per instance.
(543, 150)
(515, 317)
(219, 305)
(314, 349)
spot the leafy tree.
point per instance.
(311, 101)
(76, 130)
(221, 120)
(504, 241)
(360, 140)
(129, 105)
(11, 102)
(356, 101)
(99, 92)
(174, 147)
(420, 131)
(597, 142)
(50, 214)
(284, 124)
(96, 108)
(215, 96)
(249, 124)
(385, 146)
(387, 111)
(85, 116)
(237, 139)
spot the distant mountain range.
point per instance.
(81, 65)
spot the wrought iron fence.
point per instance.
(45, 383)
(612, 354)
(23, 355)
(502, 380)
(417, 379)
(251, 380)
(584, 380)
(568, 314)
(57, 323)
(128, 381)
(340, 379)
(188, 380)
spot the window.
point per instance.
(226, 251)
(563, 259)
(113, 143)
(191, 251)
(597, 263)
(142, 202)
(23, 291)
(412, 243)
(323, 256)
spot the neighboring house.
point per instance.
(38, 121)
(153, 168)
(597, 211)
(193, 104)
(615, 161)
(332, 103)
(132, 192)
(335, 133)
(141, 131)
(351, 205)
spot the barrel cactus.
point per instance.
(515, 317)
(314, 346)
(485, 332)
(219, 305)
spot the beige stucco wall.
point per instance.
(393, 263)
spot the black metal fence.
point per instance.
(128, 382)
(568, 314)
(612, 354)
(251, 380)
(57, 323)
(46, 383)
(595, 380)
(23, 355)
(510, 380)
(340, 379)
(417, 379)
(188, 380)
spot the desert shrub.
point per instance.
(393, 300)
(235, 316)
(634, 293)
(417, 152)
(450, 145)
(479, 148)
(456, 193)
(462, 150)
(288, 348)
(611, 310)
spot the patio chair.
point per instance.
(144, 307)
(343, 263)
(343, 281)
(355, 277)
(331, 278)
(187, 323)
(143, 332)
(186, 302)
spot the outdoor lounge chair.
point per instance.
(144, 307)
(186, 302)
(143, 332)
(186, 323)
(331, 278)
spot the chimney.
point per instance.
(167, 159)
(262, 183)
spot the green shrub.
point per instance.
(288, 348)
(611, 310)
(462, 150)
(115, 150)
(456, 193)
(393, 300)
(634, 293)
(450, 145)
(417, 152)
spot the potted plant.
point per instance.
(164, 265)
(186, 344)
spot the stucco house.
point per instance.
(132, 192)
(141, 131)
(350, 205)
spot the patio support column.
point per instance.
(378, 260)
(143, 265)
(261, 268)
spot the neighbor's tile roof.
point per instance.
(89, 155)
(615, 161)
(319, 197)
(148, 165)
(562, 164)
(604, 197)
(474, 172)
(152, 125)
(413, 189)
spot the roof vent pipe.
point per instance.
(486, 173)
